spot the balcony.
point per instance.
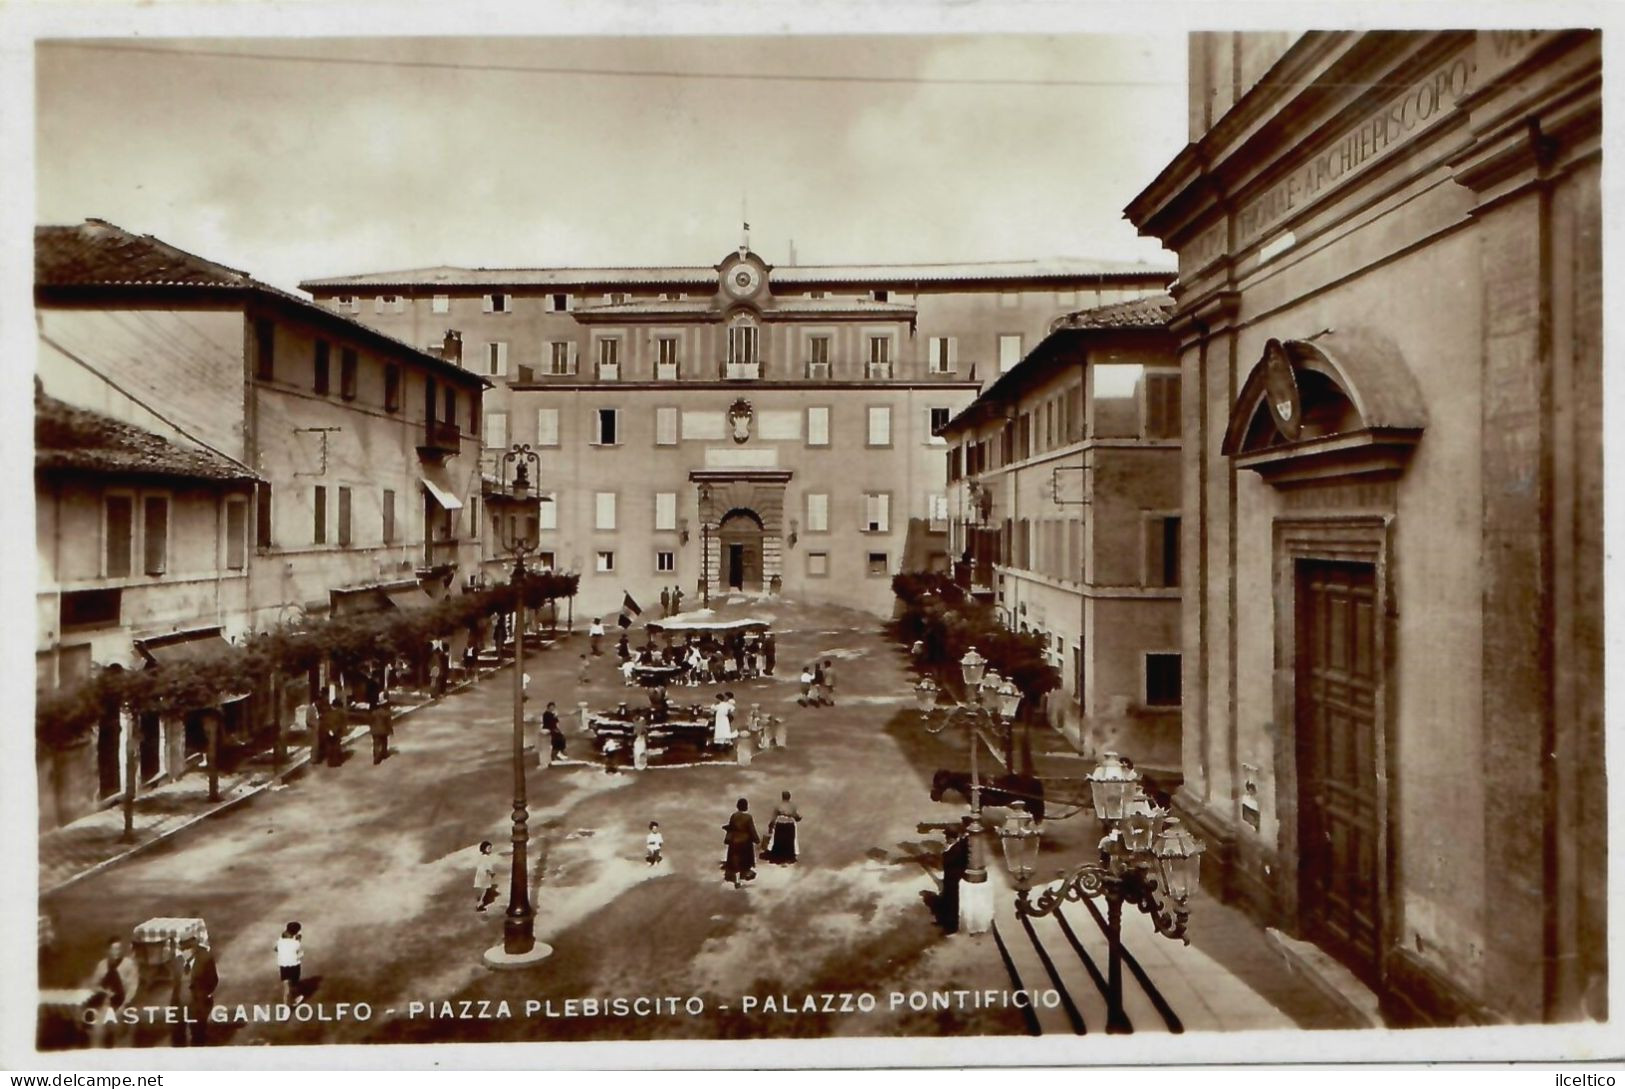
(665, 372)
(740, 372)
(441, 438)
(609, 372)
(878, 371)
(440, 554)
(818, 372)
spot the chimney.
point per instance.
(452, 349)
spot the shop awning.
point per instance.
(438, 481)
(407, 595)
(359, 599)
(181, 647)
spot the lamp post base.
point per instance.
(499, 959)
(975, 907)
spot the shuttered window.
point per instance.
(880, 425)
(1162, 406)
(547, 511)
(818, 426)
(877, 512)
(120, 531)
(665, 510)
(547, 427)
(155, 534)
(236, 534)
(604, 510)
(665, 427)
(817, 512)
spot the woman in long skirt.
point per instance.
(739, 835)
(781, 844)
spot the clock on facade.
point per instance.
(743, 280)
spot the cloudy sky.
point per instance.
(293, 158)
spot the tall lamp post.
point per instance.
(1147, 858)
(519, 946)
(705, 545)
(992, 701)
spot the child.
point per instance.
(485, 876)
(290, 955)
(586, 670)
(653, 844)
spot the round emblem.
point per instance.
(744, 280)
(1281, 390)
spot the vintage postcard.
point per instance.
(970, 535)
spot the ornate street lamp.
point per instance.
(519, 945)
(1146, 859)
(990, 703)
(705, 545)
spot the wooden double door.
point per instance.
(1338, 677)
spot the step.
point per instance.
(1027, 973)
(1084, 935)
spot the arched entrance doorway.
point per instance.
(739, 550)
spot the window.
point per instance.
(264, 349)
(451, 407)
(393, 304)
(936, 506)
(1115, 397)
(344, 517)
(496, 358)
(262, 516)
(1162, 551)
(498, 303)
(666, 359)
(322, 383)
(388, 507)
(547, 511)
(936, 420)
(879, 425)
(877, 512)
(392, 387)
(91, 609)
(818, 356)
(603, 510)
(818, 564)
(609, 430)
(877, 564)
(547, 427)
(817, 512)
(1162, 680)
(496, 430)
(236, 534)
(880, 357)
(347, 374)
(666, 426)
(561, 357)
(609, 359)
(818, 425)
(614, 298)
(155, 533)
(441, 304)
(1162, 405)
(1009, 350)
(665, 562)
(665, 510)
(558, 303)
(605, 562)
(320, 533)
(350, 304)
(942, 355)
(880, 295)
(544, 560)
(742, 345)
(118, 520)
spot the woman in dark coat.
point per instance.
(740, 836)
(781, 833)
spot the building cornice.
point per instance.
(739, 386)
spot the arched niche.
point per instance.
(1337, 404)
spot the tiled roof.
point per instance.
(97, 252)
(1057, 268)
(76, 439)
(1151, 312)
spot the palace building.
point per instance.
(1389, 315)
(736, 427)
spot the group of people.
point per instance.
(740, 839)
(671, 601)
(703, 659)
(331, 721)
(190, 979)
(818, 683)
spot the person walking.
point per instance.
(194, 979)
(652, 844)
(676, 599)
(770, 652)
(585, 674)
(550, 726)
(485, 876)
(722, 721)
(113, 983)
(290, 959)
(807, 679)
(780, 846)
(596, 634)
(381, 724)
(827, 682)
(332, 721)
(739, 836)
(665, 601)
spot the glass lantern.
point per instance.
(1019, 837)
(1139, 823)
(1009, 699)
(1112, 784)
(972, 666)
(1179, 859)
(925, 694)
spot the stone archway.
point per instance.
(739, 551)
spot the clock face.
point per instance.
(743, 280)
